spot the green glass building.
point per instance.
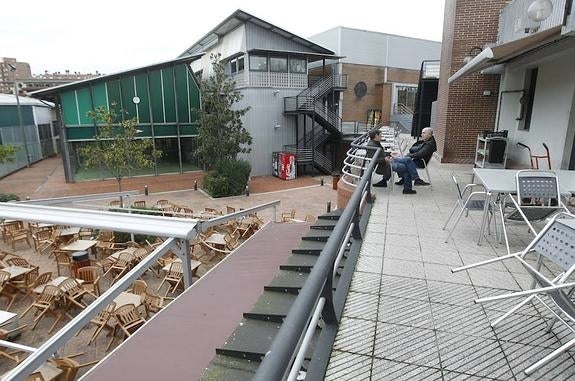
(164, 98)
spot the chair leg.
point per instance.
(455, 224)
(451, 214)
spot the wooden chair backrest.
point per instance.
(70, 285)
(139, 287)
(4, 276)
(124, 260)
(42, 235)
(162, 202)
(176, 270)
(18, 261)
(88, 274)
(62, 256)
(127, 314)
(48, 295)
(139, 204)
(42, 279)
(106, 236)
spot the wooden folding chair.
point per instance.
(46, 303)
(91, 276)
(174, 277)
(121, 266)
(4, 334)
(128, 320)
(6, 290)
(152, 302)
(139, 287)
(102, 321)
(63, 261)
(70, 367)
(288, 216)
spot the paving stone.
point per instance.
(369, 264)
(361, 305)
(355, 336)
(406, 253)
(522, 356)
(470, 321)
(406, 344)
(399, 267)
(472, 355)
(495, 279)
(372, 249)
(348, 366)
(434, 271)
(365, 282)
(403, 311)
(450, 293)
(403, 287)
(400, 371)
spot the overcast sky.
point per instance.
(111, 36)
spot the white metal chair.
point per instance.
(538, 198)
(467, 200)
(556, 243)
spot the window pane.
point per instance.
(278, 64)
(258, 63)
(233, 66)
(297, 65)
(241, 64)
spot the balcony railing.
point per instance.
(514, 23)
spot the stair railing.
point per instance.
(316, 298)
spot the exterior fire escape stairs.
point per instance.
(327, 125)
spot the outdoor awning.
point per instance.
(505, 52)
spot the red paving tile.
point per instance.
(45, 179)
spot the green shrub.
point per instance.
(139, 238)
(229, 178)
(4, 197)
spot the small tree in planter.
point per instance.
(221, 135)
(117, 147)
(7, 152)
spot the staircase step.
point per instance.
(304, 263)
(287, 281)
(309, 247)
(226, 368)
(317, 235)
(333, 215)
(271, 306)
(324, 224)
(251, 340)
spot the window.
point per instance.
(297, 65)
(528, 98)
(278, 64)
(258, 63)
(237, 65)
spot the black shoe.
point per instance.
(420, 182)
(400, 182)
(381, 184)
(409, 191)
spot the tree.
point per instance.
(221, 133)
(117, 147)
(7, 152)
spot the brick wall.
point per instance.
(462, 109)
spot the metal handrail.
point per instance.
(277, 362)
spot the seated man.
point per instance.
(386, 163)
(420, 152)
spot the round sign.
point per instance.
(136, 100)
(360, 89)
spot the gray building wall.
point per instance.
(378, 49)
(265, 114)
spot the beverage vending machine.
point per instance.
(284, 165)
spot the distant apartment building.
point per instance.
(20, 72)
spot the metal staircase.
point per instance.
(310, 103)
(402, 116)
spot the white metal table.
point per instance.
(502, 181)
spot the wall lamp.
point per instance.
(540, 10)
(471, 54)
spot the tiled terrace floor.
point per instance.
(407, 317)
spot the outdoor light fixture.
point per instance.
(276, 92)
(471, 54)
(540, 10)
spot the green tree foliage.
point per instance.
(221, 134)
(7, 152)
(117, 147)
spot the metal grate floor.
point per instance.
(407, 317)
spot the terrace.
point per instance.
(406, 315)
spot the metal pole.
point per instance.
(20, 124)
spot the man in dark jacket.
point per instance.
(385, 163)
(420, 151)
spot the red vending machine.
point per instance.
(286, 166)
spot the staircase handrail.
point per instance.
(328, 115)
(400, 108)
(321, 85)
